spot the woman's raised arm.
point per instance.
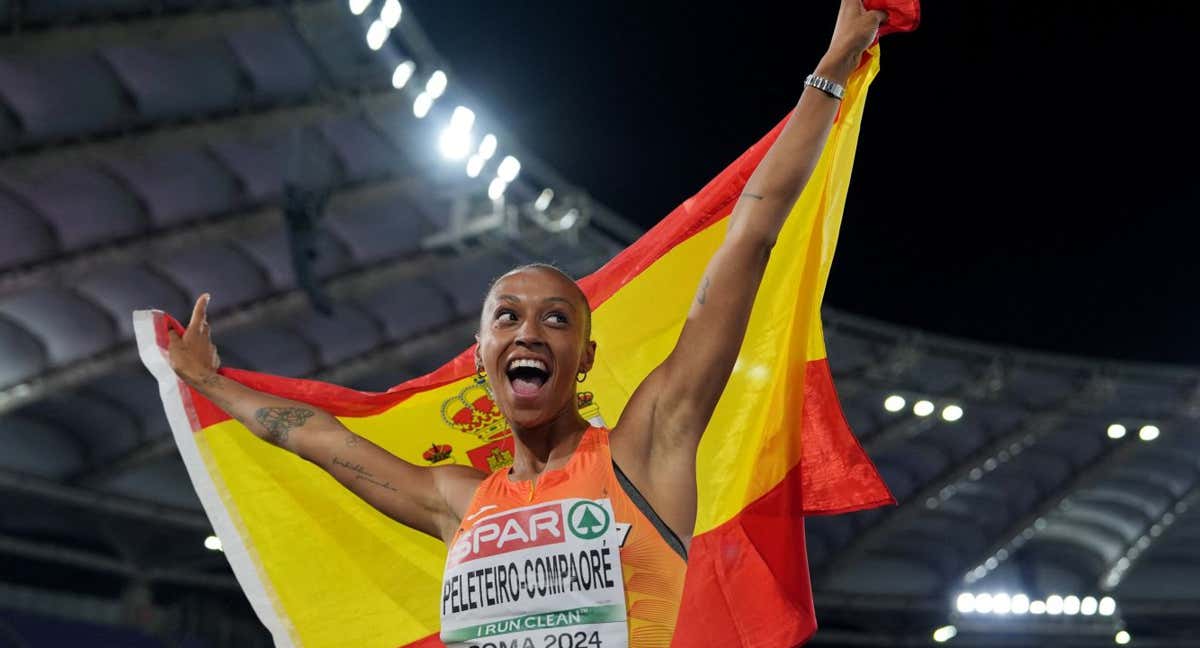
(429, 500)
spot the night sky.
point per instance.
(1024, 176)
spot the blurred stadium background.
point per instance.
(318, 155)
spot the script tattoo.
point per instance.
(703, 292)
(278, 421)
(210, 381)
(361, 474)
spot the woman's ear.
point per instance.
(589, 356)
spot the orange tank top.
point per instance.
(653, 559)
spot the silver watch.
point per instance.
(835, 90)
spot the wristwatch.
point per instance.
(835, 90)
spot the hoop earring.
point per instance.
(480, 374)
(581, 376)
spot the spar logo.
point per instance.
(588, 520)
(507, 532)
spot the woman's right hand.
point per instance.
(193, 356)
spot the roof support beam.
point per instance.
(25, 484)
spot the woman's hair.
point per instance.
(587, 308)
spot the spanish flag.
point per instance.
(322, 568)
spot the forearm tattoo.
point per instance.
(703, 294)
(278, 421)
(750, 195)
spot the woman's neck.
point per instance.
(546, 447)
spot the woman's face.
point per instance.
(532, 343)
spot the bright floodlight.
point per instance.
(568, 219)
(422, 104)
(1071, 605)
(212, 543)
(487, 146)
(1148, 433)
(1088, 606)
(1107, 606)
(1037, 607)
(983, 603)
(462, 119)
(952, 413)
(454, 144)
(436, 84)
(390, 14)
(1116, 431)
(474, 166)
(1020, 604)
(1122, 637)
(1054, 604)
(359, 6)
(944, 633)
(923, 408)
(965, 603)
(893, 403)
(1001, 603)
(377, 34)
(509, 168)
(496, 188)
(402, 74)
(543, 199)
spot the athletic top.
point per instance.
(653, 559)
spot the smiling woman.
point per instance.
(583, 541)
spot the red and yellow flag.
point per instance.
(322, 568)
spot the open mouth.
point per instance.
(527, 376)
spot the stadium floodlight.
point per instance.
(1020, 604)
(487, 146)
(1054, 604)
(1001, 603)
(1108, 605)
(1116, 431)
(390, 14)
(377, 35)
(436, 85)
(1071, 605)
(894, 403)
(945, 633)
(568, 219)
(1088, 606)
(422, 104)
(1037, 607)
(454, 144)
(402, 74)
(923, 408)
(965, 603)
(952, 413)
(496, 188)
(543, 199)
(359, 6)
(1148, 433)
(1122, 637)
(508, 169)
(474, 166)
(213, 543)
(983, 603)
(462, 119)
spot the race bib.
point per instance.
(541, 576)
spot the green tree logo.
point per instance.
(588, 520)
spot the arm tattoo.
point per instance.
(210, 381)
(351, 439)
(703, 292)
(361, 474)
(750, 195)
(278, 421)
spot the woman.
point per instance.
(627, 496)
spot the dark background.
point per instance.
(1024, 174)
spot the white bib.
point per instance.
(541, 576)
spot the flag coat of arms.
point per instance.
(322, 568)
